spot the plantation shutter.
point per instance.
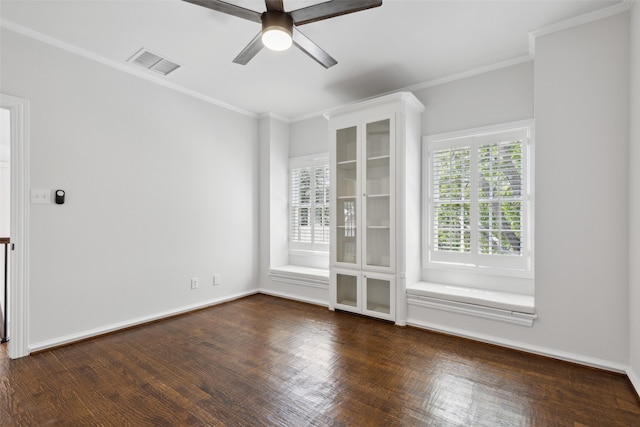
(321, 205)
(479, 200)
(500, 199)
(301, 205)
(451, 178)
(309, 204)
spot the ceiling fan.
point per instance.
(279, 28)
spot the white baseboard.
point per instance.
(55, 342)
(293, 297)
(635, 379)
(542, 351)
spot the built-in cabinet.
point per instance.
(364, 292)
(368, 144)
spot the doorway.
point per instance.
(5, 215)
(16, 110)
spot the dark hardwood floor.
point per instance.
(267, 361)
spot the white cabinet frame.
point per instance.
(372, 274)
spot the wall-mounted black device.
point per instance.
(59, 197)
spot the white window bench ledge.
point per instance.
(299, 275)
(502, 306)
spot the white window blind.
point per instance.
(500, 200)
(479, 200)
(451, 177)
(309, 204)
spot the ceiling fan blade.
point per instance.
(329, 9)
(250, 50)
(229, 9)
(276, 5)
(312, 49)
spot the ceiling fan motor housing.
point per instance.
(273, 19)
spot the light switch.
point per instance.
(40, 195)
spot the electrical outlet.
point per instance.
(40, 195)
(216, 279)
(195, 283)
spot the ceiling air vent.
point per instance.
(153, 62)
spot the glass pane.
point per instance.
(378, 157)
(346, 231)
(451, 177)
(346, 140)
(378, 139)
(378, 247)
(321, 185)
(347, 180)
(345, 199)
(451, 227)
(378, 295)
(378, 191)
(347, 290)
(500, 198)
(320, 226)
(309, 200)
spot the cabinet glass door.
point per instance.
(379, 296)
(348, 291)
(346, 198)
(378, 194)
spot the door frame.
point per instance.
(19, 259)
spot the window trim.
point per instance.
(304, 249)
(458, 138)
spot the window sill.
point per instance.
(305, 252)
(502, 306)
(473, 269)
(299, 275)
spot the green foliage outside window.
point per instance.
(498, 195)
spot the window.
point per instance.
(479, 199)
(309, 204)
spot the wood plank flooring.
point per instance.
(265, 361)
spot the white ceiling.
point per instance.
(401, 44)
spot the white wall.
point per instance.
(580, 88)
(309, 137)
(503, 95)
(161, 187)
(634, 201)
(276, 146)
(582, 132)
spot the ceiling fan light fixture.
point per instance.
(277, 30)
(277, 39)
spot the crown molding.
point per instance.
(586, 18)
(309, 116)
(125, 67)
(275, 116)
(470, 73)
(404, 96)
